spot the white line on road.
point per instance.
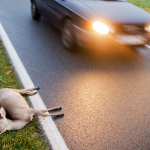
(50, 130)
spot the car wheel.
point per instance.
(67, 35)
(35, 14)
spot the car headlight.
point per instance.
(100, 27)
(147, 28)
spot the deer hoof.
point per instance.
(38, 88)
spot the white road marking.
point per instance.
(147, 46)
(50, 130)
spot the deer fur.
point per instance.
(18, 110)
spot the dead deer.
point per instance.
(17, 108)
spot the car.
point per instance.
(84, 22)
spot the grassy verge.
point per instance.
(144, 4)
(30, 137)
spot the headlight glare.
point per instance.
(100, 27)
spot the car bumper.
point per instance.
(85, 38)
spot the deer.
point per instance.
(14, 105)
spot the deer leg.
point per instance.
(53, 115)
(28, 91)
(51, 109)
(40, 113)
(16, 125)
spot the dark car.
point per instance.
(85, 22)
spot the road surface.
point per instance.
(105, 95)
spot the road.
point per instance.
(105, 95)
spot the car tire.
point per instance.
(68, 36)
(35, 14)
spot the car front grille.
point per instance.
(130, 29)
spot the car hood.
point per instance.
(113, 12)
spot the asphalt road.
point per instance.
(105, 95)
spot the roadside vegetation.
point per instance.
(30, 137)
(144, 4)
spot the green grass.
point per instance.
(145, 4)
(30, 137)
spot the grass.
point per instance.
(30, 137)
(144, 4)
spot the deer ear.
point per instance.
(2, 112)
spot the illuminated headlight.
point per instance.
(100, 27)
(147, 28)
